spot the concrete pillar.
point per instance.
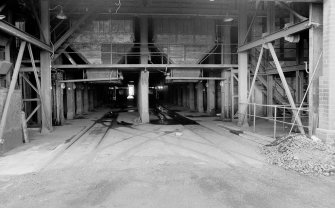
(143, 98)
(211, 97)
(59, 104)
(95, 98)
(184, 88)
(45, 64)
(86, 99)
(143, 85)
(242, 65)
(225, 84)
(180, 96)
(191, 99)
(70, 101)
(79, 99)
(326, 129)
(200, 97)
(225, 95)
(91, 99)
(315, 48)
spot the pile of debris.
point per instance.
(302, 154)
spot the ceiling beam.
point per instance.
(12, 30)
(148, 66)
(304, 25)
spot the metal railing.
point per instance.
(280, 114)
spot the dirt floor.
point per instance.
(117, 165)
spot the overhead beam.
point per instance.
(12, 30)
(148, 66)
(301, 26)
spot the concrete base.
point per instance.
(13, 129)
(327, 136)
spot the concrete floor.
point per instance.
(157, 166)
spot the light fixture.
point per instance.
(61, 14)
(2, 16)
(228, 18)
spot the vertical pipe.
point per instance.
(254, 117)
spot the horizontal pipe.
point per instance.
(195, 78)
(89, 80)
(148, 66)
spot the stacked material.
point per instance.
(302, 154)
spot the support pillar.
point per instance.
(226, 59)
(59, 103)
(211, 97)
(200, 97)
(184, 88)
(225, 95)
(143, 85)
(180, 96)
(45, 62)
(242, 65)
(191, 96)
(315, 48)
(70, 101)
(91, 99)
(86, 100)
(79, 100)
(326, 129)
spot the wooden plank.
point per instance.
(11, 90)
(286, 87)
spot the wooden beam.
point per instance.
(286, 87)
(45, 64)
(11, 91)
(296, 28)
(12, 30)
(147, 66)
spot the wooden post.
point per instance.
(184, 89)
(242, 64)
(45, 62)
(191, 96)
(86, 99)
(11, 91)
(79, 99)
(59, 103)
(200, 97)
(315, 49)
(286, 87)
(226, 59)
(211, 97)
(70, 93)
(91, 99)
(143, 84)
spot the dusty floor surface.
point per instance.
(163, 166)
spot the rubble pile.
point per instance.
(302, 154)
